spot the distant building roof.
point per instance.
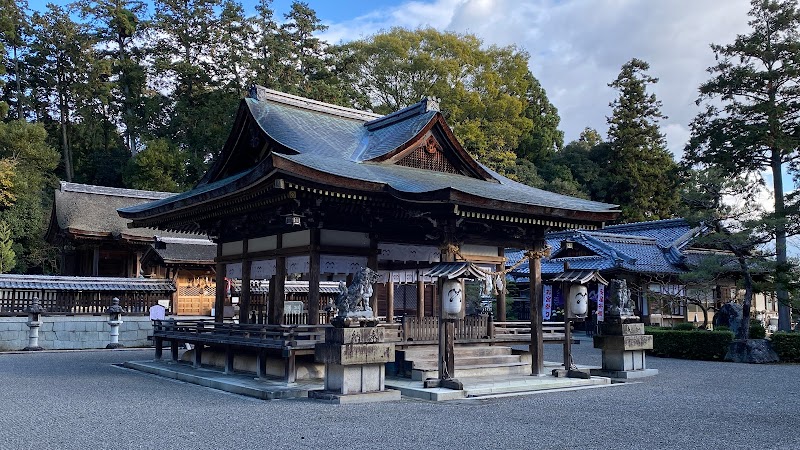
(58, 283)
(82, 211)
(171, 251)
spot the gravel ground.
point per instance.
(80, 400)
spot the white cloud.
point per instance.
(578, 46)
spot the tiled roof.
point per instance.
(57, 283)
(664, 231)
(337, 141)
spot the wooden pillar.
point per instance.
(244, 295)
(420, 295)
(537, 341)
(313, 279)
(219, 301)
(567, 325)
(96, 261)
(389, 301)
(501, 296)
(280, 289)
(372, 263)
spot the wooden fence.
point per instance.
(13, 302)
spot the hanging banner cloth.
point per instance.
(547, 301)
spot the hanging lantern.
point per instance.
(452, 296)
(578, 300)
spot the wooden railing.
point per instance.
(14, 302)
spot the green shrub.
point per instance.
(702, 345)
(787, 346)
(684, 326)
(757, 331)
(722, 328)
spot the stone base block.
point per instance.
(352, 354)
(365, 335)
(32, 349)
(633, 342)
(621, 329)
(115, 345)
(624, 374)
(365, 397)
(354, 379)
(624, 360)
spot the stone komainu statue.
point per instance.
(354, 300)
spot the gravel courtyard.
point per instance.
(81, 400)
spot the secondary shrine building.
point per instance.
(308, 191)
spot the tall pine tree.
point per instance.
(750, 121)
(640, 173)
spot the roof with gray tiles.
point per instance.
(59, 283)
(339, 141)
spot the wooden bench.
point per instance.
(286, 340)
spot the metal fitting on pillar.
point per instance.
(115, 320)
(34, 311)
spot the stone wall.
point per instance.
(74, 332)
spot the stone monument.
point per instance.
(355, 351)
(622, 338)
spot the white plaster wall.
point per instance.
(74, 332)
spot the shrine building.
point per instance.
(309, 191)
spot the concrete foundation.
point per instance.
(623, 346)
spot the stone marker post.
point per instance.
(622, 338)
(115, 320)
(34, 311)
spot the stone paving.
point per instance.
(82, 400)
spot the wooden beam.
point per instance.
(244, 295)
(537, 339)
(313, 278)
(280, 289)
(372, 263)
(389, 302)
(95, 260)
(420, 295)
(219, 300)
(501, 296)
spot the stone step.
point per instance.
(530, 385)
(461, 361)
(504, 369)
(412, 354)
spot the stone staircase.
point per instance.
(421, 362)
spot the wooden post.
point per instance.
(420, 295)
(219, 301)
(198, 355)
(244, 295)
(280, 289)
(229, 355)
(501, 296)
(372, 263)
(567, 326)
(537, 339)
(389, 301)
(96, 260)
(313, 279)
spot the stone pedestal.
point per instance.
(623, 346)
(33, 336)
(355, 361)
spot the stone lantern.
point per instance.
(115, 320)
(34, 311)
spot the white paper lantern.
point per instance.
(578, 300)
(452, 297)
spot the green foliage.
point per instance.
(640, 174)
(8, 258)
(158, 167)
(757, 330)
(787, 346)
(748, 124)
(485, 92)
(683, 326)
(697, 344)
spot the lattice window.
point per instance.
(428, 156)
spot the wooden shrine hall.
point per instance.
(309, 191)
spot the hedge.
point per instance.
(787, 346)
(698, 344)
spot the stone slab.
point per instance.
(352, 354)
(354, 379)
(624, 374)
(622, 329)
(356, 335)
(635, 342)
(616, 360)
(367, 397)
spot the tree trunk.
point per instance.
(784, 311)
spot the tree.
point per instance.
(8, 259)
(483, 90)
(641, 175)
(14, 26)
(157, 168)
(750, 121)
